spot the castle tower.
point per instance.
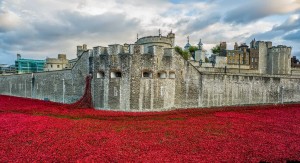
(223, 48)
(62, 56)
(262, 53)
(149, 44)
(79, 50)
(236, 46)
(172, 38)
(200, 45)
(200, 53)
(278, 60)
(252, 43)
(187, 45)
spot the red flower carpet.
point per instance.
(39, 131)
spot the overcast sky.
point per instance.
(44, 28)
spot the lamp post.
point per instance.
(63, 90)
(10, 87)
(282, 87)
(25, 88)
(239, 62)
(213, 63)
(31, 88)
(200, 62)
(32, 85)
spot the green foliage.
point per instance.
(216, 49)
(186, 55)
(192, 49)
(206, 59)
(178, 50)
(183, 53)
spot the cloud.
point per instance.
(43, 38)
(294, 36)
(82, 4)
(191, 1)
(296, 53)
(8, 20)
(202, 22)
(290, 24)
(76, 24)
(253, 10)
(46, 28)
(285, 30)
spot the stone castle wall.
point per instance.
(128, 78)
(189, 89)
(59, 86)
(226, 90)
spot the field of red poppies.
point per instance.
(33, 130)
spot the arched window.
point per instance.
(100, 74)
(162, 75)
(116, 74)
(172, 75)
(147, 74)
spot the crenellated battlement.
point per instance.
(154, 39)
(280, 49)
(115, 49)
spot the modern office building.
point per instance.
(28, 65)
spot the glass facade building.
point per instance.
(29, 65)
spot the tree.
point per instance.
(178, 50)
(183, 53)
(192, 49)
(206, 60)
(216, 49)
(186, 55)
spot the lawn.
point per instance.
(33, 130)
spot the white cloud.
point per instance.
(41, 28)
(8, 20)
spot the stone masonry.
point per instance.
(150, 76)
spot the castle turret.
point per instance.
(278, 60)
(79, 50)
(163, 41)
(252, 43)
(262, 52)
(223, 48)
(84, 47)
(236, 46)
(200, 53)
(200, 45)
(187, 45)
(62, 56)
(172, 38)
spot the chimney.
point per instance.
(84, 47)
(79, 50)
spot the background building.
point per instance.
(238, 56)
(28, 65)
(254, 55)
(7, 69)
(59, 63)
(223, 48)
(295, 62)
